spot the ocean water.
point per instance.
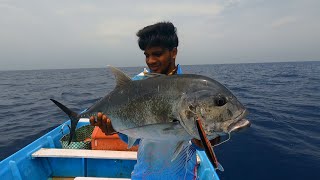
(283, 99)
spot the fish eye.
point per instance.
(220, 101)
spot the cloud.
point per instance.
(186, 9)
(8, 7)
(283, 21)
(211, 31)
(119, 21)
(115, 31)
(80, 9)
(120, 27)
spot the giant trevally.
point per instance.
(166, 107)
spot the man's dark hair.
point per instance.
(162, 34)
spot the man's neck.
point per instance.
(174, 71)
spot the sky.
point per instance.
(59, 34)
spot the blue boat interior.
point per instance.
(22, 165)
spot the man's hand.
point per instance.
(103, 122)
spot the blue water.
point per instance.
(283, 99)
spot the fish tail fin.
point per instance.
(74, 117)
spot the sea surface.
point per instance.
(283, 99)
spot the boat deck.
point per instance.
(83, 153)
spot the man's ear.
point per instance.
(174, 53)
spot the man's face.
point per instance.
(160, 60)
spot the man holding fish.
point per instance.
(168, 115)
(159, 43)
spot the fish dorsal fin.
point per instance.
(121, 78)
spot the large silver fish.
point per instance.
(166, 107)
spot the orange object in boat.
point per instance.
(100, 141)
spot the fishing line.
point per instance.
(229, 136)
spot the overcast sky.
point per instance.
(42, 34)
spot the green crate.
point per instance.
(82, 139)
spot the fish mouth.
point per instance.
(242, 123)
(239, 123)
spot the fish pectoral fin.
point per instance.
(180, 146)
(131, 142)
(120, 76)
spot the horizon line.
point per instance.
(268, 62)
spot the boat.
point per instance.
(46, 159)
